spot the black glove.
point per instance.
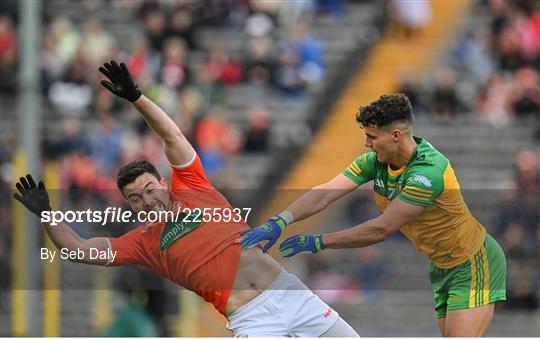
(33, 197)
(120, 83)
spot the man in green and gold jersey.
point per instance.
(417, 192)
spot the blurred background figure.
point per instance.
(409, 17)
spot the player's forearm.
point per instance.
(158, 120)
(64, 237)
(365, 234)
(310, 203)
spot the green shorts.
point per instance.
(477, 282)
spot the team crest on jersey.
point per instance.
(146, 226)
(419, 178)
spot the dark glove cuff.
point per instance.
(136, 95)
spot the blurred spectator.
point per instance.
(493, 102)
(72, 140)
(260, 62)
(143, 62)
(72, 94)
(330, 8)
(473, 55)
(310, 52)
(289, 77)
(300, 10)
(526, 95)
(412, 88)
(96, 43)
(65, 38)
(257, 135)
(174, 70)
(191, 106)
(181, 26)
(527, 171)
(445, 101)
(516, 242)
(216, 139)
(8, 55)
(409, 17)
(332, 286)
(155, 25)
(360, 209)
(259, 25)
(105, 143)
(130, 316)
(51, 64)
(369, 269)
(220, 68)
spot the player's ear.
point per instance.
(396, 133)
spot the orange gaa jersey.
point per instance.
(200, 254)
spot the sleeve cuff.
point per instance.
(110, 251)
(186, 164)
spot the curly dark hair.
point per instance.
(128, 173)
(389, 108)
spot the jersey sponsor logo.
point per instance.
(379, 183)
(173, 231)
(419, 178)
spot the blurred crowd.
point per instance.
(518, 230)
(493, 70)
(174, 63)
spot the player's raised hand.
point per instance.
(301, 243)
(269, 231)
(33, 197)
(121, 83)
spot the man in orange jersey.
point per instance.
(201, 254)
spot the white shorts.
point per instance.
(286, 309)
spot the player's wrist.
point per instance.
(136, 95)
(284, 219)
(319, 242)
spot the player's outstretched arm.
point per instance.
(177, 148)
(308, 204)
(36, 199)
(378, 229)
(320, 197)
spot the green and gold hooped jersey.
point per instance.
(446, 231)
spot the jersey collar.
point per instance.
(400, 170)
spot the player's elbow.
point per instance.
(82, 253)
(384, 230)
(174, 137)
(324, 197)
